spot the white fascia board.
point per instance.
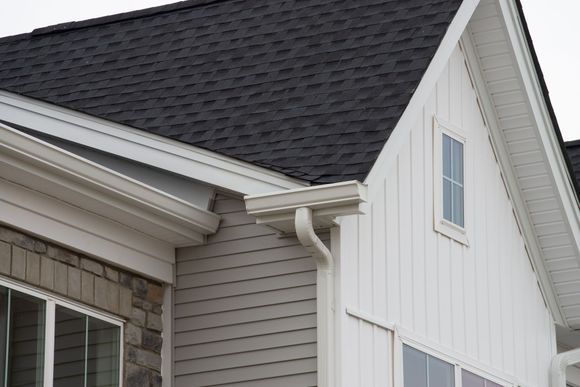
(413, 110)
(140, 146)
(29, 161)
(552, 150)
(326, 202)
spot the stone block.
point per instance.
(144, 357)
(138, 317)
(63, 255)
(111, 274)
(39, 247)
(154, 321)
(88, 287)
(18, 268)
(136, 376)
(60, 278)
(5, 257)
(32, 268)
(139, 286)
(133, 334)
(155, 379)
(113, 296)
(16, 238)
(126, 279)
(154, 294)
(152, 340)
(142, 304)
(92, 266)
(74, 283)
(125, 302)
(101, 289)
(46, 273)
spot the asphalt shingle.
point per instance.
(309, 88)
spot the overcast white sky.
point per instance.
(553, 24)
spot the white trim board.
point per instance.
(140, 146)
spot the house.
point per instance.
(286, 193)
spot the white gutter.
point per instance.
(302, 210)
(559, 364)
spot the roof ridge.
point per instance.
(108, 19)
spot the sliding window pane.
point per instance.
(458, 209)
(457, 158)
(414, 367)
(441, 374)
(447, 200)
(103, 354)
(25, 365)
(69, 348)
(446, 151)
(469, 379)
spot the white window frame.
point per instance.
(51, 302)
(440, 224)
(457, 365)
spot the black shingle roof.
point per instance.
(573, 151)
(310, 88)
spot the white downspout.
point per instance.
(324, 294)
(559, 364)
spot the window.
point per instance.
(422, 370)
(46, 342)
(469, 379)
(449, 181)
(452, 180)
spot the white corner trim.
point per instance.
(167, 346)
(413, 110)
(142, 147)
(43, 167)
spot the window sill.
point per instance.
(451, 231)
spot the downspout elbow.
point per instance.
(559, 364)
(309, 239)
(324, 294)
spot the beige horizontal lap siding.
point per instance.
(245, 307)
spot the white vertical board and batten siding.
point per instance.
(480, 303)
(245, 307)
(524, 147)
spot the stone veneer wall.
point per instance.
(97, 284)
